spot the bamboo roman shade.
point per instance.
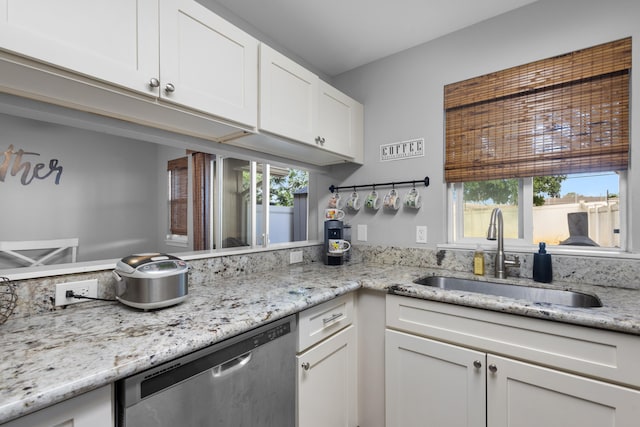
(562, 115)
(179, 195)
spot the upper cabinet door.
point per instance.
(340, 122)
(288, 97)
(114, 41)
(206, 63)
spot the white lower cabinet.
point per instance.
(327, 382)
(565, 376)
(91, 409)
(327, 373)
(429, 383)
(524, 395)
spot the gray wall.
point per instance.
(403, 97)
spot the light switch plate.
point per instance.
(362, 232)
(421, 234)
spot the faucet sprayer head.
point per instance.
(492, 233)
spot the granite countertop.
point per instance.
(52, 357)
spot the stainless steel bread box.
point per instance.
(152, 280)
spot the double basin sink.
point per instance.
(528, 293)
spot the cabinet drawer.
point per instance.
(321, 321)
(596, 353)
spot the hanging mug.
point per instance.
(336, 201)
(413, 199)
(354, 202)
(392, 200)
(373, 201)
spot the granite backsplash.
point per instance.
(35, 295)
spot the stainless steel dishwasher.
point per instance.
(244, 381)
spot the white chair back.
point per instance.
(55, 246)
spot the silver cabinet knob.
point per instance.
(306, 366)
(477, 364)
(153, 82)
(493, 368)
(169, 88)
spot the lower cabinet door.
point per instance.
(524, 395)
(429, 383)
(92, 409)
(327, 382)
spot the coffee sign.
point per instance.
(20, 163)
(402, 150)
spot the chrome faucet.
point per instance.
(496, 231)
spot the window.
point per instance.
(539, 141)
(228, 208)
(285, 210)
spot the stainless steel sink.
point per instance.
(529, 293)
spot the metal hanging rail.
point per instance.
(425, 181)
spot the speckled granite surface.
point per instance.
(102, 342)
(51, 357)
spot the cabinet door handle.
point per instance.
(331, 318)
(153, 82)
(477, 364)
(493, 368)
(306, 366)
(169, 88)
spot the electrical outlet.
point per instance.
(421, 234)
(295, 256)
(86, 288)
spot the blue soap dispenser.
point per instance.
(542, 265)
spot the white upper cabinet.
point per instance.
(176, 50)
(206, 63)
(297, 105)
(288, 97)
(114, 41)
(175, 65)
(340, 121)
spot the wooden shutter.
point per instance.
(566, 114)
(201, 200)
(178, 195)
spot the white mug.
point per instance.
(333, 214)
(392, 200)
(338, 246)
(373, 201)
(336, 201)
(413, 199)
(354, 201)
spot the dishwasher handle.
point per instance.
(232, 365)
